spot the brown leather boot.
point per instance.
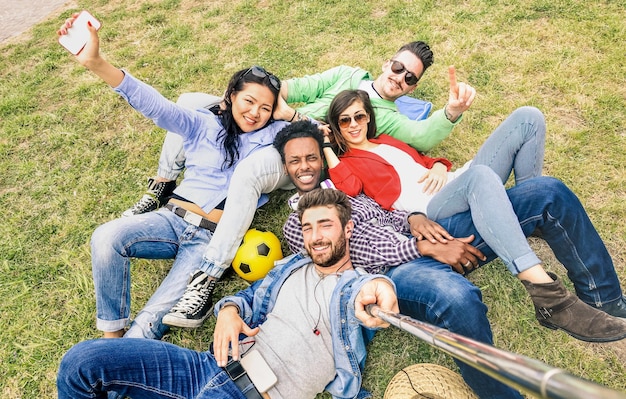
(556, 307)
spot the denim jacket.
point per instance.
(347, 332)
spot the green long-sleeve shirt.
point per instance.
(317, 91)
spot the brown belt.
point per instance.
(191, 217)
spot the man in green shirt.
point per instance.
(399, 77)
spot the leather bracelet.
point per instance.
(295, 112)
(445, 112)
(327, 145)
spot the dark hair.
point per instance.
(231, 132)
(297, 130)
(422, 51)
(326, 197)
(339, 104)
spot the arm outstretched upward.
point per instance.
(90, 56)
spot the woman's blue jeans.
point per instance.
(152, 235)
(516, 145)
(141, 369)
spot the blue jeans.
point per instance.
(434, 293)
(547, 208)
(153, 235)
(516, 145)
(141, 369)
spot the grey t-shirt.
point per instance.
(302, 307)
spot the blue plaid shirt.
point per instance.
(381, 238)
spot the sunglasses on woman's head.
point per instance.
(409, 78)
(262, 74)
(345, 121)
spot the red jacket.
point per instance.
(363, 171)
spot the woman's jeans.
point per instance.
(141, 369)
(516, 145)
(152, 235)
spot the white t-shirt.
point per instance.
(302, 306)
(412, 197)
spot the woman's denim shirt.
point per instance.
(347, 332)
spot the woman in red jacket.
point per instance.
(398, 177)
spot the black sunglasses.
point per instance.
(410, 78)
(262, 74)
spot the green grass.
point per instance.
(73, 155)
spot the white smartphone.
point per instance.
(259, 372)
(76, 38)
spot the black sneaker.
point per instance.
(616, 309)
(196, 303)
(156, 196)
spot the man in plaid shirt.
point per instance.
(380, 243)
(429, 275)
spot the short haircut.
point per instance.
(340, 103)
(326, 197)
(297, 130)
(422, 51)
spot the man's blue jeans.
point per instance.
(433, 292)
(547, 208)
(152, 235)
(141, 369)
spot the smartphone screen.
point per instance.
(77, 36)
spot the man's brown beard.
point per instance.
(336, 255)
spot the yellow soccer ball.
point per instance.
(256, 254)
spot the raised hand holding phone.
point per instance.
(89, 54)
(76, 35)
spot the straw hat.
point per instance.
(428, 381)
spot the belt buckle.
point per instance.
(192, 218)
(235, 370)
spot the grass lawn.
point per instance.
(74, 155)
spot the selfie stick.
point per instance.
(515, 370)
